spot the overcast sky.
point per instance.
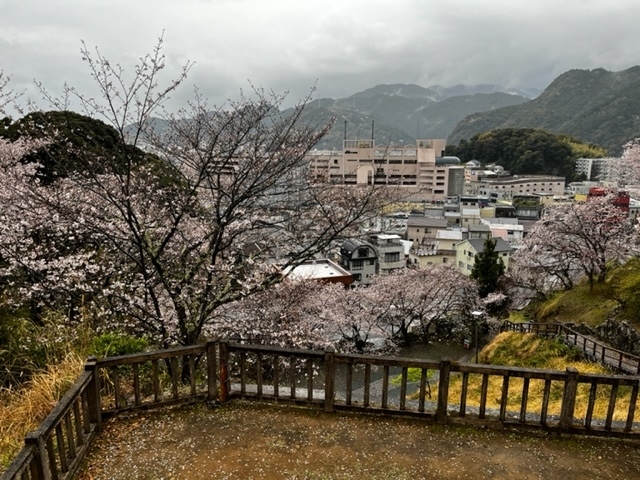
(343, 45)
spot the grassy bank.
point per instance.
(618, 297)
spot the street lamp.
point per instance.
(477, 314)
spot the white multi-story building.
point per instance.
(598, 169)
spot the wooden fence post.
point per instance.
(94, 399)
(329, 379)
(443, 391)
(225, 381)
(569, 399)
(212, 372)
(40, 469)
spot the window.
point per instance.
(357, 277)
(372, 262)
(357, 264)
(444, 259)
(363, 252)
(392, 257)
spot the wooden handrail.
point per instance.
(231, 370)
(622, 361)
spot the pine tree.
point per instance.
(487, 269)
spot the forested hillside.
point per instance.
(595, 106)
(526, 151)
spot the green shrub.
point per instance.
(112, 344)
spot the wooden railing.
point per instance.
(444, 392)
(58, 446)
(594, 350)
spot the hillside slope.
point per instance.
(596, 106)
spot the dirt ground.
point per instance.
(245, 440)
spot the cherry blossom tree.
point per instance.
(309, 313)
(7, 95)
(424, 297)
(366, 319)
(628, 172)
(574, 240)
(47, 261)
(289, 314)
(220, 206)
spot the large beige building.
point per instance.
(420, 168)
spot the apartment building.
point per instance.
(440, 249)
(598, 169)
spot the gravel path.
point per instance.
(244, 440)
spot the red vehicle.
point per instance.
(621, 200)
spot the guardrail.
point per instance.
(443, 392)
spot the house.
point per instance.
(419, 227)
(442, 249)
(360, 259)
(390, 252)
(508, 229)
(481, 231)
(467, 250)
(322, 270)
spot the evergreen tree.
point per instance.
(487, 269)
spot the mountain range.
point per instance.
(595, 106)
(400, 113)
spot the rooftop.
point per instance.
(501, 245)
(419, 221)
(316, 270)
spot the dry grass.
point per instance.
(23, 409)
(535, 396)
(529, 350)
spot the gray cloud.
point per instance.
(345, 46)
